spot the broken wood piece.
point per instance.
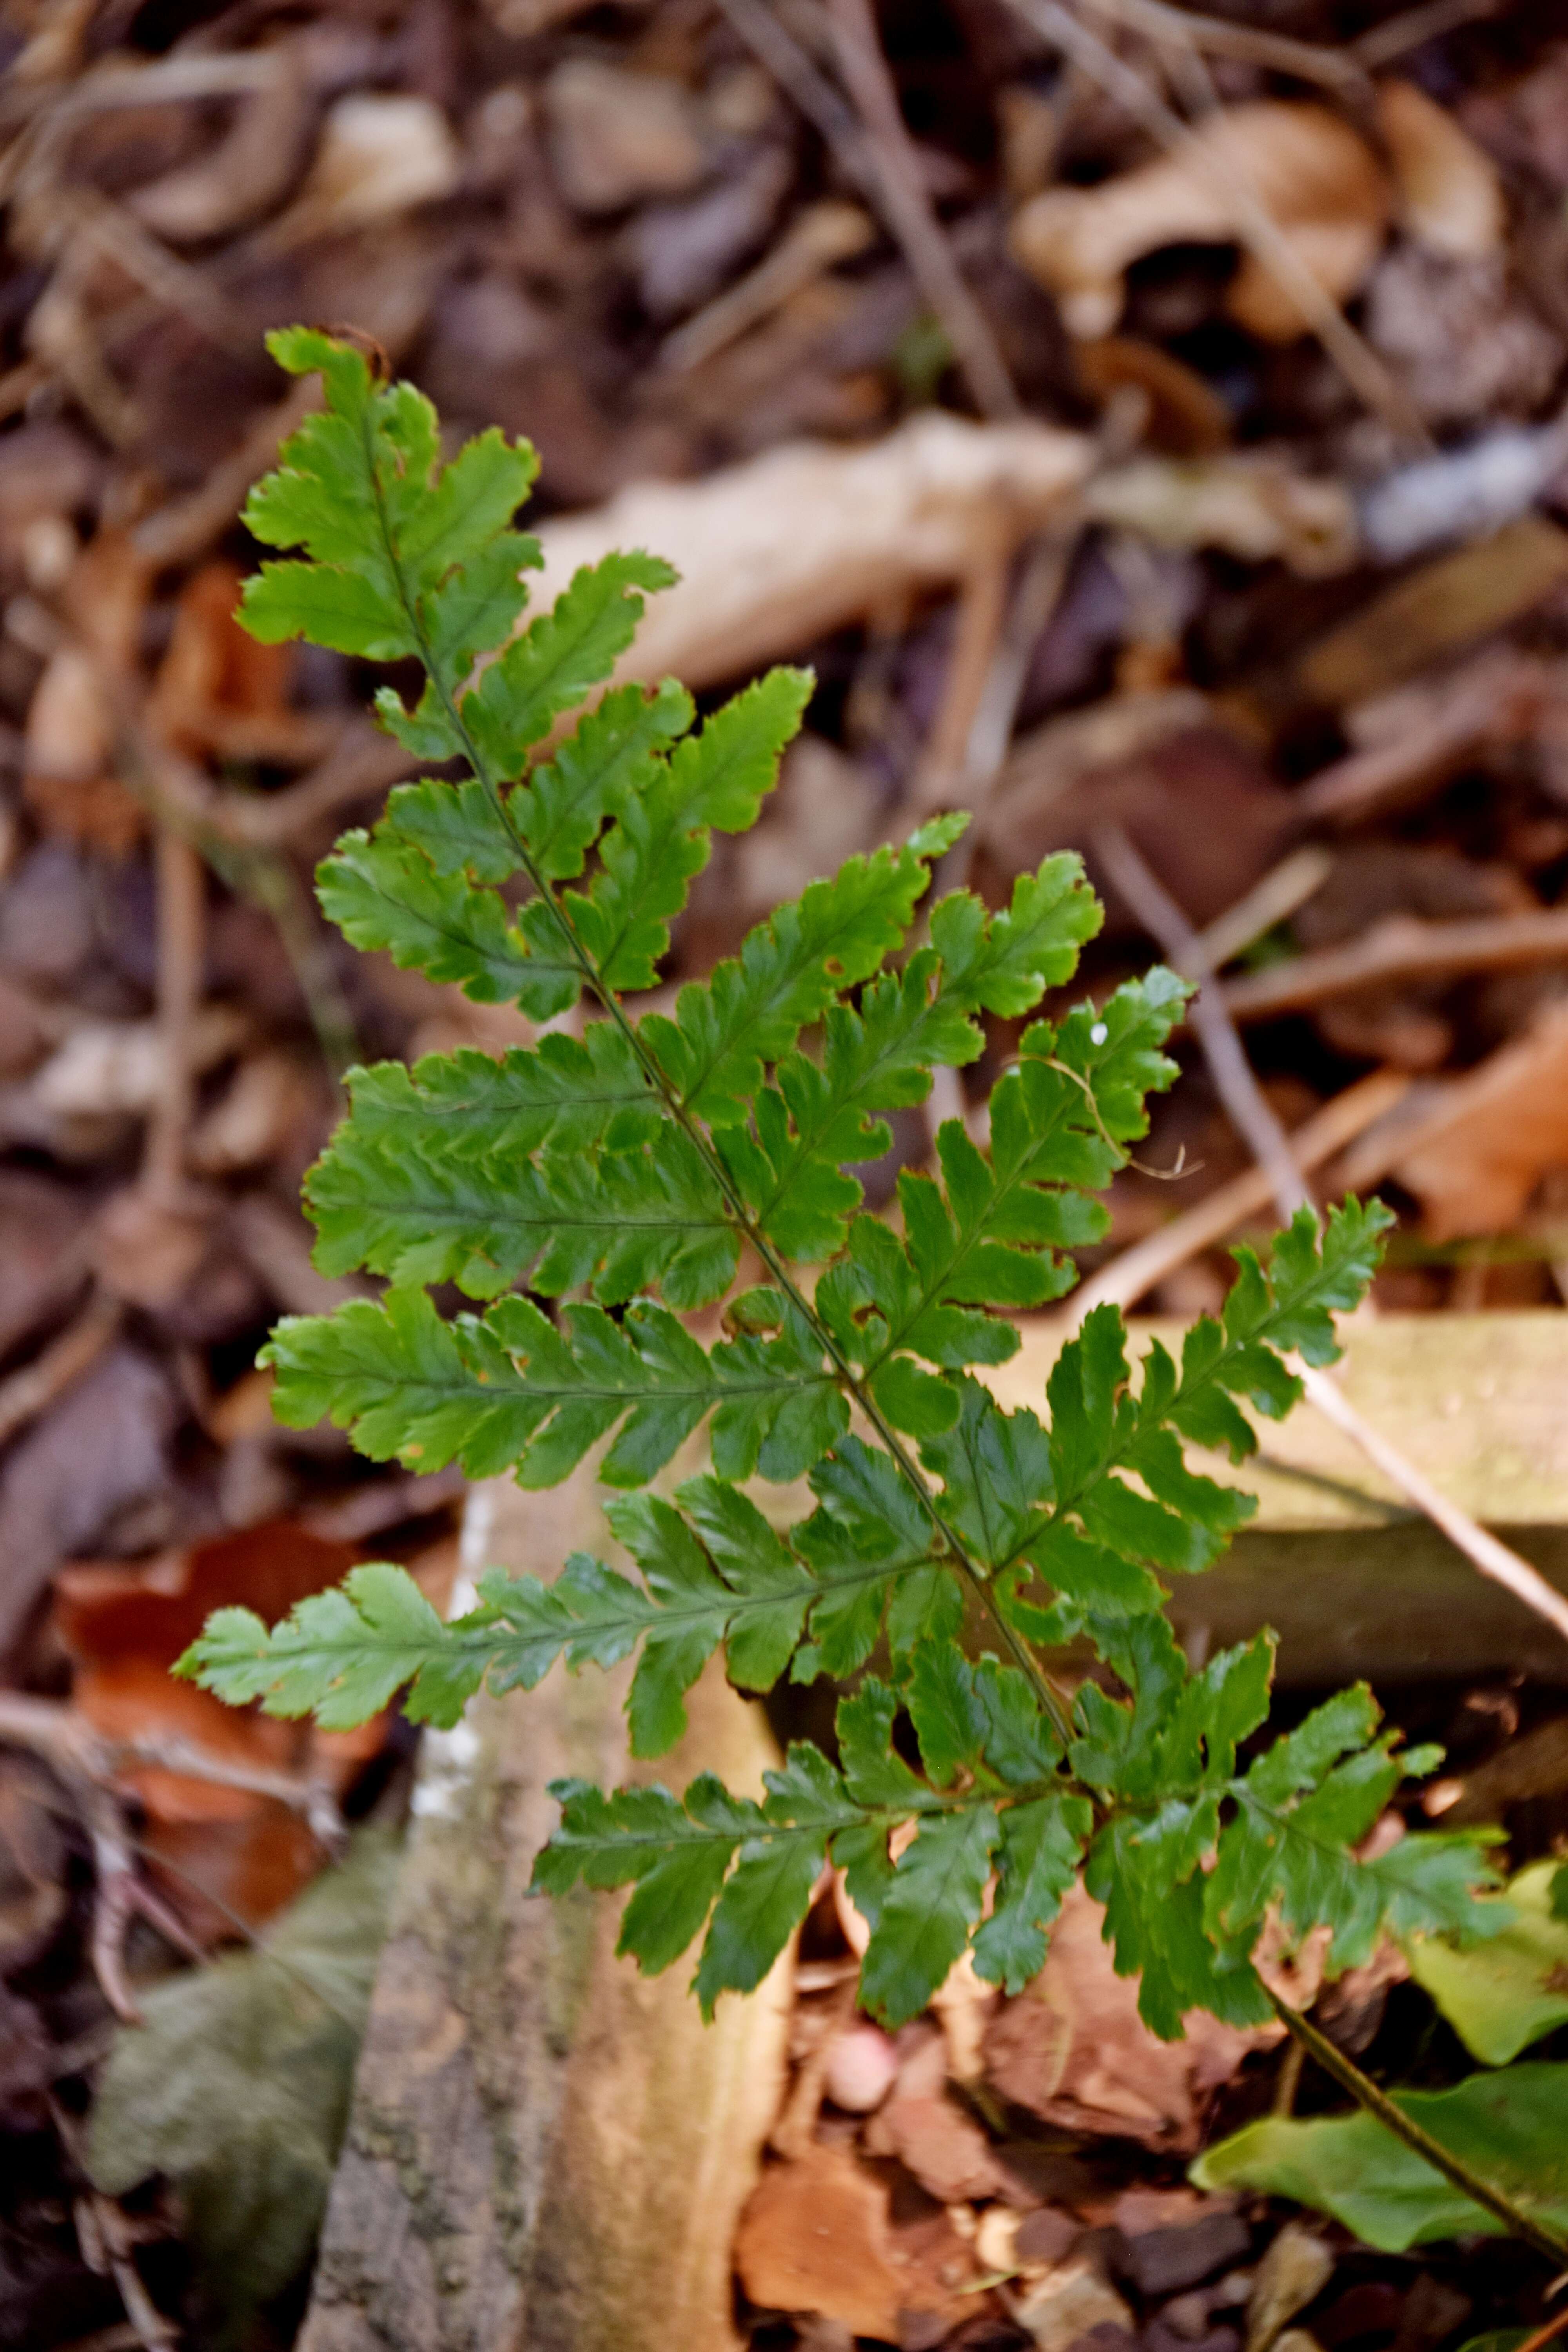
(808, 538)
(1351, 1578)
(545, 2146)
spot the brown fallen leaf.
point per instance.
(814, 2237)
(1448, 193)
(1486, 1141)
(1316, 177)
(1074, 2051)
(1198, 800)
(618, 136)
(217, 689)
(817, 2234)
(67, 779)
(225, 1851)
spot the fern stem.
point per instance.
(1552, 2243)
(1018, 1648)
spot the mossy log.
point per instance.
(545, 2149)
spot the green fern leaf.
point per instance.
(714, 782)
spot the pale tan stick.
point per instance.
(1480, 1547)
(1255, 226)
(1385, 42)
(1495, 698)
(25, 1392)
(940, 780)
(1400, 947)
(181, 931)
(1245, 1103)
(1136, 1270)
(1336, 70)
(825, 232)
(1282, 889)
(910, 216)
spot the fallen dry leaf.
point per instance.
(1486, 1141)
(818, 2234)
(1075, 2052)
(781, 550)
(1198, 802)
(219, 689)
(618, 136)
(1314, 175)
(1448, 194)
(814, 2237)
(101, 1450)
(379, 155)
(1256, 507)
(225, 1851)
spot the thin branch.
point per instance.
(1253, 1117)
(1547, 2240)
(1400, 947)
(1385, 42)
(910, 212)
(1273, 900)
(1255, 226)
(24, 1393)
(1337, 70)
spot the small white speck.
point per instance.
(1099, 1033)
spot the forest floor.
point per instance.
(1299, 639)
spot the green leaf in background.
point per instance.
(1503, 1994)
(236, 2086)
(1507, 2128)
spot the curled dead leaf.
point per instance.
(1314, 175)
(1075, 2052)
(1256, 507)
(379, 155)
(1448, 194)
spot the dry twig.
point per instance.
(87, 1764)
(1254, 1120)
(24, 1393)
(1400, 947)
(1336, 70)
(909, 212)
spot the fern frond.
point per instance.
(645, 1157)
(511, 1391)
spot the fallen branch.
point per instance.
(1400, 947)
(1254, 1120)
(24, 1393)
(909, 212)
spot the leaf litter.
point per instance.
(542, 215)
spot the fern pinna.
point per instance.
(630, 1171)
